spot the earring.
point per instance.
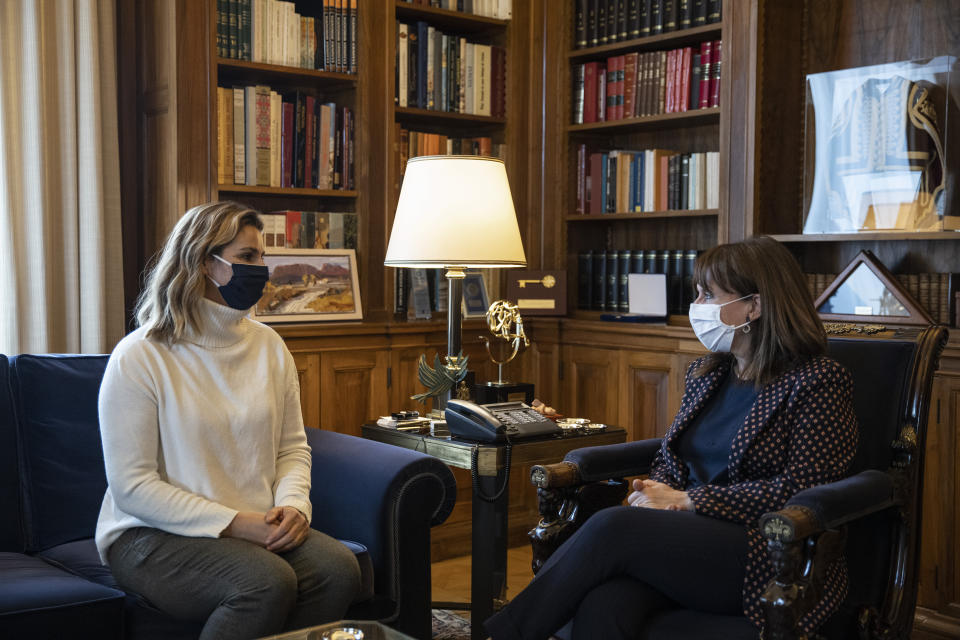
(746, 327)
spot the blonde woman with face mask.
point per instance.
(764, 415)
(207, 509)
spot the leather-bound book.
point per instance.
(656, 17)
(713, 11)
(716, 63)
(686, 13)
(584, 279)
(706, 69)
(629, 85)
(699, 12)
(623, 21)
(694, 95)
(634, 18)
(646, 14)
(599, 280)
(623, 272)
(669, 14)
(593, 23)
(612, 302)
(581, 23)
(590, 87)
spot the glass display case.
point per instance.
(878, 148)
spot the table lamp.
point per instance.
(455, 213)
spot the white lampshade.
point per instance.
(455, 211)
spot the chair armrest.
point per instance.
(829, 506)
(614, 460)
(590, 464)
(379, 495)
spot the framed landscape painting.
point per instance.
(310, 285)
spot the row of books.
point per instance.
(272, 31)
(418, 293)
(309, 230)
(421, 143)
(602, 277)
(443, 72)
(268, 138)
(499, 9)
(600, 22)
(647, 83)
(621, 181)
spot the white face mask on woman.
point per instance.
(714, 333)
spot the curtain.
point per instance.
(61, 281)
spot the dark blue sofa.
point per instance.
(52, 481)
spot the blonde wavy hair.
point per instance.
(176, 280)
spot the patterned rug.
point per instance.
(449, 625)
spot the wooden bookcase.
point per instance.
(696, 130)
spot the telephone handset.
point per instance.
(497, 422)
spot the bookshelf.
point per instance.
(694, 130)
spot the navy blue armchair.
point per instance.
(873, 516)
(381, 500)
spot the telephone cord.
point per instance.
(474, 456)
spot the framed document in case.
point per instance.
(538, 293)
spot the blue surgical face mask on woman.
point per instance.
(246, 285)
(714, 333)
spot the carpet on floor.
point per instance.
(451, 625)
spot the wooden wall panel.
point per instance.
(345, 377)
(308, 373)
(644, 392)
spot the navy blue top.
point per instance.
(706, 444)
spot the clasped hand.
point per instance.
(279, 530)
(657, 495)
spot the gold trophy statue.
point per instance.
(505, 323)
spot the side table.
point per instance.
(489, 518)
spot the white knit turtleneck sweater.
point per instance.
(199, 430)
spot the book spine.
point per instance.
(602, 93)
(629, 85)
(684, 203)
(262, 133)
(423, 57)
(590, 92)
(233, 19)
(633, 18)
(581, 179)
(669, 12)
(580, 38)
(661, 95)
(299, 140)
(713, 11)
(413, 47)
(602, 21)
(646, 15)
(402, 64)
(671, 65)
(599, 280)
(684, 96)
(695, 70)
(308, 148)
(612, 33)
(224, 141)
(595, 194)
(623, 28)
(611, 93)
(656, 17)
(286, 152)
(685, 13)
(637, 257)
(593, 27)
(612, 302)
(585, 279)
(352, 57)
(715, 66)
(699, 12)
(623, 277)
(222, 29)
(706, 70)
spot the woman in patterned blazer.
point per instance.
(764, 415)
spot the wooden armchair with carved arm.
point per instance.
(873, 516)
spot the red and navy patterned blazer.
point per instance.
(800, 432)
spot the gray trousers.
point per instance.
(240, 589)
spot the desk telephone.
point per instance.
(497, 422)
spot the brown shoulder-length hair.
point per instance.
(788, 330)
(176, 281)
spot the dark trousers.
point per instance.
(623, 565)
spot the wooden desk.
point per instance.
(489, 522)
